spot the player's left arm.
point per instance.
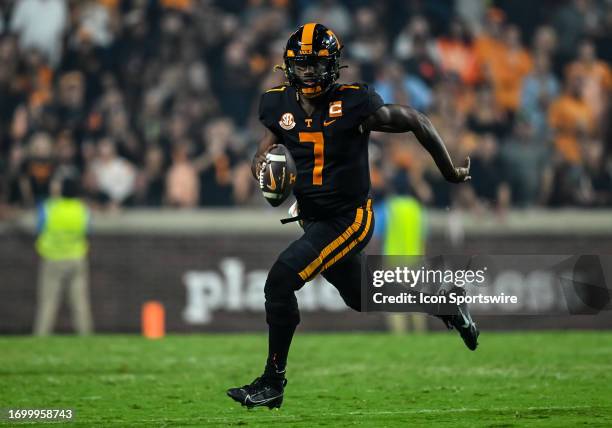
(398, 118)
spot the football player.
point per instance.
(325, 126)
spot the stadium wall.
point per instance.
(208, 267)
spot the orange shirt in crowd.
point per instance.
(275, 3)
(457, 57)
(485, 48)
(508, 68)
(41, 87)
(597, 81)
(570, 117)
(111, 4)
(183, 5)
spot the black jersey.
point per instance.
(329, 148)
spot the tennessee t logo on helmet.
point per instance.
(316, 48)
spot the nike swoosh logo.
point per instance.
(272, 185)
(326, 123)
(265, 400)
(465, 319)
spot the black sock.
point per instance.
(279, 341)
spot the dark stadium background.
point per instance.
(154, 105)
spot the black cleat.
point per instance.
(261, 392)
(463, 323)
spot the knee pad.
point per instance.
(281, 303)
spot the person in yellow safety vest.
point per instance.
(402, 227)
(405, 225)
(63, 222)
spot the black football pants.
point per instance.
(332, 247)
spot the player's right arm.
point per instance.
(269, 105)
(268, 141)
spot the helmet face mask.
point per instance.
(312, 59)
(311, 75)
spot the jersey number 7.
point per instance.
(319, 144)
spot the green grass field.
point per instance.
(517, 379)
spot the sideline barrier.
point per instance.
(208, 268)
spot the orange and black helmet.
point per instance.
(312, 59)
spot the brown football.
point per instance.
(279, 175)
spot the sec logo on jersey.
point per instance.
(287, 122)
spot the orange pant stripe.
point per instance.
(349, 247)
(350, 231)
(314, 265)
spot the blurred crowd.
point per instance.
(154, 102)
